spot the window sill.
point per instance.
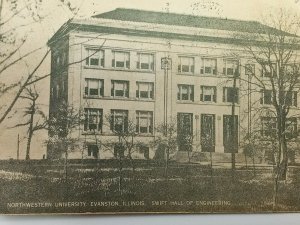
(227, 104)
(92, 96)
(119, 69)
(205, 75)
(109, 134)
(188, 74)
(271, 105)
(93, 67)
(185, 101)
(208, 102)
(118, 98)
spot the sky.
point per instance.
(55, 16)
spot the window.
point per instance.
(208, 132)
(119, 121)
(209, 66)
(57, 60)
(95, 57)
(93, 151)
(144, 122)
(185, 92)
(144, 90)
(267, 97)
(120, 88)
(231, 67)
(208, 94)
(119, 150)
(94, 87)
(144, 149)
(268, 70)
(291, 127)
(230, 94)
(230, 133)
(288, 98)
(185, 131)
(93, 119)
(145, 61)
(291, 70)
(121, 60)
(269, 126)
(186, 65)
(250, 69)
(64, 59)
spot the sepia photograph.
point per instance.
(130, 107)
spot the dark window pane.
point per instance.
(229, 71)
(144, 66)
(185, 68)
(207, 98)
(119, 93)
(144, 94)
(94, 92)
(207, 69)
(268, 97)
(185, 97)
(120, 64)
(94, 62)
(143, 129)
(92, 126)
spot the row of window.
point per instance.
(208, 93)
(120, 60)
(288, 98)
(144, 124)
(145, 61)
(208, 132)
(145, 90)
(119, 88)
(186, 64)
(119, 150)
(269, 127)
(118, 121)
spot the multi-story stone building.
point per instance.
(152, 68)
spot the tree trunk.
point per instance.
(30, 131)
(167, 162)
(253, 161)
(120, 175)
(28, 145)
(66, 165)
(284, 162)
(275, 191)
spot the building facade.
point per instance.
(128, 67)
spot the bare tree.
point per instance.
(123, 144)
(62, 126)
(37, 119)
(17, 19)
(167, 141)
(274, 49)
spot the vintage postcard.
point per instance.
(149, 107)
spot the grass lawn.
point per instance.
(98, 187)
